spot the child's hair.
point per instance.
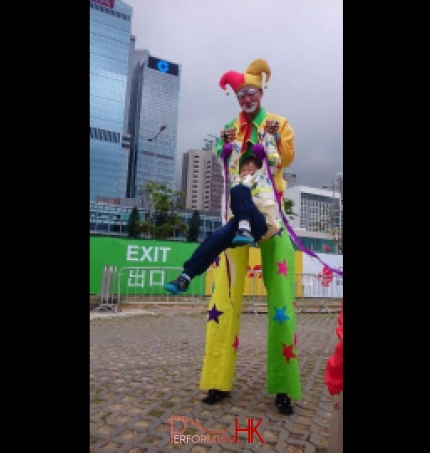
(258, 163)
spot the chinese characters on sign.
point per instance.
(141, 278)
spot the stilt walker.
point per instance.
(277, 254)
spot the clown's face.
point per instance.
(249, 98)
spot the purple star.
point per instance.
(214, 314)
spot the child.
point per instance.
(253, 174)
(253, 214)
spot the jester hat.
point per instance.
(252, 76)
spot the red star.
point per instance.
(282, 268)
(288, 352)
(236, 343)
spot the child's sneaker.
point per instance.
(179, 285)
(243, 237)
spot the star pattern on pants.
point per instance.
(288, 352)
(236, 343)
(282, 267)
(214, 314)
(280, 315)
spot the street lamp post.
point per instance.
(332, 212)
(339, 180)
(209, 146)
(215, 143)
(154, 138)
(332, 209)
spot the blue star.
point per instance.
(214, 314)
(280, 315)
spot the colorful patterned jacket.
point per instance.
(280, 154)
(249, 136)
(259, 182)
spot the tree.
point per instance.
(162, 221)
(134, 223)
(288, 208)
(194, 228)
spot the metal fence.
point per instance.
(107, 299)
(143, 286)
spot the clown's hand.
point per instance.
(228, 135)
(258, 151)
(226, 150)
(271, 127)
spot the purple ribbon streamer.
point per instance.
(290, 230)
(288, 227)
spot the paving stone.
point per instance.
(145, 368)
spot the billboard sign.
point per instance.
(108, 3)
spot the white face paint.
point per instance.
(251, 109)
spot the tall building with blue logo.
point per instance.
(152, 121)
(110, 32)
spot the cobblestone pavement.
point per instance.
(145, 367)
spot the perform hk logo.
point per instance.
(212, 436)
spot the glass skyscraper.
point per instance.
(153, 122)
(110, 31)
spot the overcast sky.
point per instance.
(302, 40)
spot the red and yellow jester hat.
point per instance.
(252, 76)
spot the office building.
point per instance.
(110, 31)
(338, 184)
(110, 216)
(216, 185)
(290, 178)
(202, 180)
(134, 100)
(153, 120)
(317, 210)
